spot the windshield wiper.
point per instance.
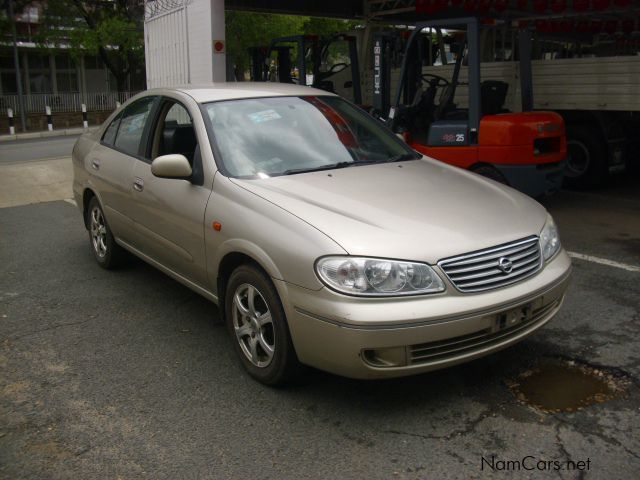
(402, 157)
(330, 166)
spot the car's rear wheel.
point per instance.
(258, 327)
(105, 250)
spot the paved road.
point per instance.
(603, 222)
(127, 374)
(19, 151)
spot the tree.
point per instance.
(248, 29)
(326, 27)
(110, 29)
(5, 24)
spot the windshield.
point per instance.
(264, 137)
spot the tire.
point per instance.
(633, 159)
(106, 251)
(586, 158)
(490, 172)
(260, 334)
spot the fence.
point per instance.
(64, 102)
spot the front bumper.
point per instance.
(534, 180)
(392, 337)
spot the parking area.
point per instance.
(128, 374)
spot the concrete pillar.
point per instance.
(206, 27)
(185, 44)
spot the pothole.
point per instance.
(555, 385)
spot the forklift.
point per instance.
(311, 49)
(525, 150)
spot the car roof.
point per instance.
(212, 92)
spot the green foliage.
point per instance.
(327, 26)
(5, 25)
(248, 29)
(112, 30)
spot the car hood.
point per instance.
(417, 210)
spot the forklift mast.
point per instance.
(309, 47)
(470, 25)
(525, 150)
(411, 68)
(304, 44)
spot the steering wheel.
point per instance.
(440, 81)
(335, 68)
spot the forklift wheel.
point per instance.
(489, 172)
(586, 158)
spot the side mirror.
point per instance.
(171, 166)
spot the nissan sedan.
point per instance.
(322, 237)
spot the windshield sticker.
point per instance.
(264, 116)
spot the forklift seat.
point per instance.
(493, 94)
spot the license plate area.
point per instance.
(512, 318)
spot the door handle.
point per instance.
(95, 164)
(138, 184)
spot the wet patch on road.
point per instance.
(555, 385)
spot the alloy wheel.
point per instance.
(98, 230)
(253, 325)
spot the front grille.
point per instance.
(482, 270)
(453, 347)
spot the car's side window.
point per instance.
(176, 133)
(132, 125)
(110, 133)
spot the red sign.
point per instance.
(218, 46)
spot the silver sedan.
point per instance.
(324, 239)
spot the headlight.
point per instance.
(377, 277)
(549, 239)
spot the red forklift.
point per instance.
(525, 150)
(312, 54)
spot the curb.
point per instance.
(46, 134)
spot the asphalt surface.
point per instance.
(19, 151)
(128, 374)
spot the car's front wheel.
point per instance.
(105, 250)
(258, 327)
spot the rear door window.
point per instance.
(132, 126)
(110, 133)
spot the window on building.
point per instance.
(65, 62)
(6, 62)
(67, 81)
(39, 72)
(93, 63)
(66, 74)
(38, 61)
